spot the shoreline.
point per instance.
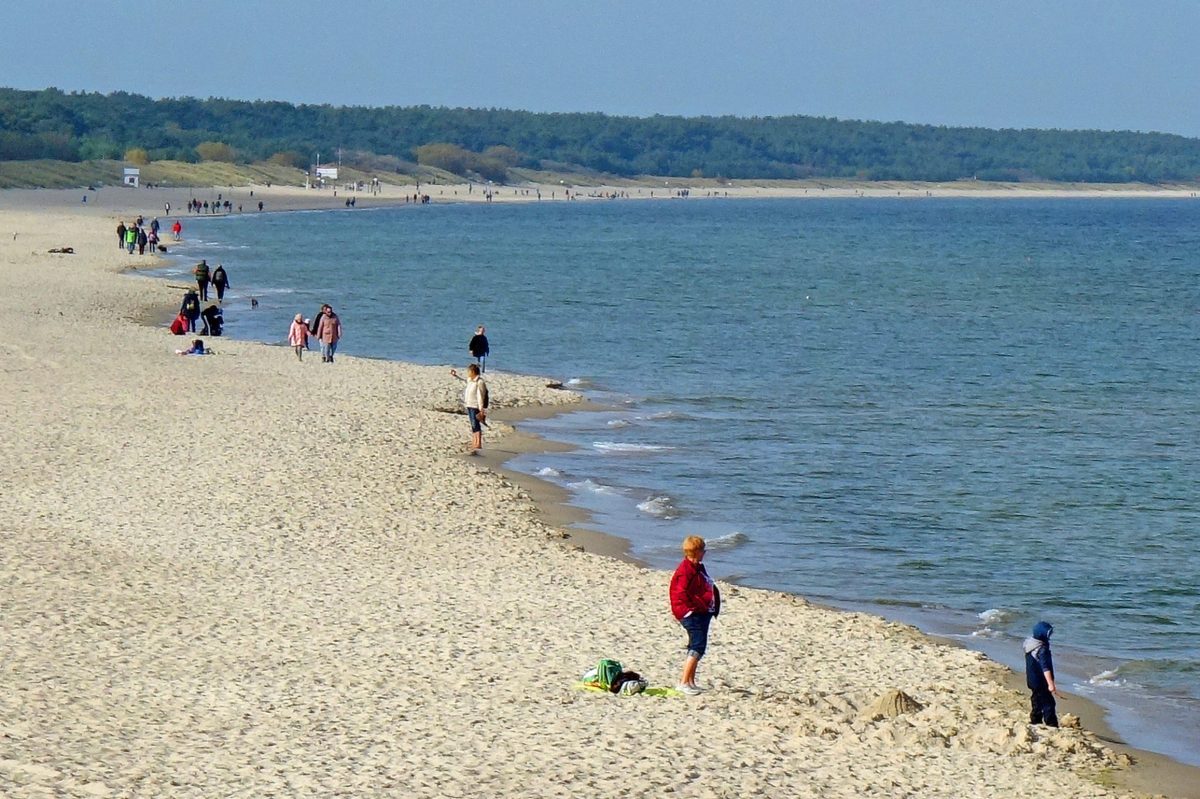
(555, 506)
(555, 509)
(151, 339)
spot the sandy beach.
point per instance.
(240, 575)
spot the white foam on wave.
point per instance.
(1106, 679)
(618, 423)
(734, 539)
(663, 507)
(614, 446)
(576, 381)
(546, 471)
(994, 615)
(669, 415)
(596, 488)
(986, 632)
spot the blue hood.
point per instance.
(1042, 631)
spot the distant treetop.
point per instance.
(487, 142)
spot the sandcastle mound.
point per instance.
(890, 705)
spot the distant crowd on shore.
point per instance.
(139, 236)
(217, 206)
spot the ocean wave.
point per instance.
(662, 507)
(986, 632)
(577, 382)
(726, 542)
(614, 446)
(1107, 679)
(670, 416)
(546, 471)
(596, 488)
(618, 423)
(994, 616)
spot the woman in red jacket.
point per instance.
(695, 601)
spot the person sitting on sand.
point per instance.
(695, 602)
(197, 348)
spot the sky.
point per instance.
(1103, 64)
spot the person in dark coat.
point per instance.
(121, 235)
(190, 308)
(201, 273)
(1039, 676)
(478, 347)
(214, 321)
(220, 281)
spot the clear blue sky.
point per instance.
(1107, 64)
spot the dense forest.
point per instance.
(85, 126)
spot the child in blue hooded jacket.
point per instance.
(1039, 676)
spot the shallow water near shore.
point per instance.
(966, 414)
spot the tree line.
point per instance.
(81, 126)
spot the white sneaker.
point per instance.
(690, 690)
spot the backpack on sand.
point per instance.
(607, 671)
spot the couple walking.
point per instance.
(327, 328)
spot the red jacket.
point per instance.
(691, 590)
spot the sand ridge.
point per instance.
(239, 575)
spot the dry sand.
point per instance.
(239, 575)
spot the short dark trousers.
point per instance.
(473, 418)
(696, 625)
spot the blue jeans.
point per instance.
(696, 625)
(327, 351)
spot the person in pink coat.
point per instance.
(298, 336)
(329, 331)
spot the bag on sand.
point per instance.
(627, 683)
(607, 672)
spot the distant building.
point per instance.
(330, 172)
(133, 176)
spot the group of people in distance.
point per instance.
(190, 313)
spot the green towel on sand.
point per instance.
(600, 689)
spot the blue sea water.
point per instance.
(965, 414)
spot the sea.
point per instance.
(963, 414)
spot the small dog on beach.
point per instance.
(253, 302)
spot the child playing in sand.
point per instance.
(695, 602)
(298, 336)
(1039, 676)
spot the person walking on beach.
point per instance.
(298, 336)
(201, 273)
(475, 400)
(121, 235)
(695, 602)
(1039, 676)
(177, 229)
(329, 332)
(220, 281)
(130, 238)
(478, 347)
